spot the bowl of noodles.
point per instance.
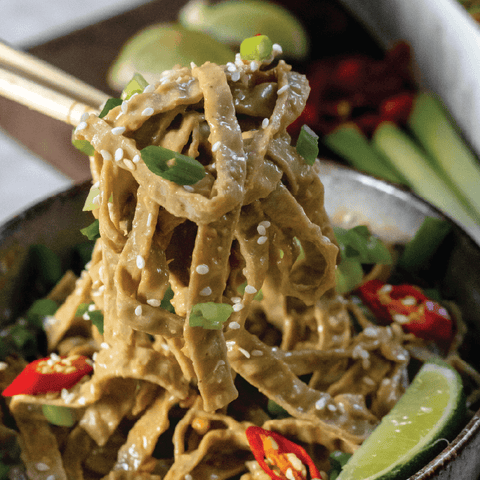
(209, 302)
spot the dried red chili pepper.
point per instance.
(407, 305)
(285, 457)
(50, 374)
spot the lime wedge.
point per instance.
(413, 432)
(234, 20)
(162, 46)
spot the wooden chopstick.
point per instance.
(45, 88)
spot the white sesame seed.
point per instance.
(283, 89)
(105, 345)
(247, 354)
(86, 316)
(399, 318)
(237, 307)
(236, 299)
(153, 302)
(216, 146)
(119, 154)
(82, 401)
(265, 122)
(254, 66)
(321, 404)
(368, 381)
(205, 292)
(118, 130)
(129, 164)
(106, 155)
(193, 65)
(332, 407)
(277, 49)
(138, 310)
(136, 158)
(140, 262)
(231, 67)
(188, 188)
(289, 474)
(261, 229)
(148, 112)
(261, 240)
(94, 356)
(188, 476)
(124, 106)
(42, 467)
(51, 477)
(202, 269)
(386, 288)
(3, 366)
(149, 220)
(257, 353)
(84, 117)
(81, 126)
(250, 289)
(149, 88)
(234, 325)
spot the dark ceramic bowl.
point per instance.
(351, 198)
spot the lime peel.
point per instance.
(431, 409)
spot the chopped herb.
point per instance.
(172, 165)
(84, 146)
(96, 316)
(89, 202)
(136, 85)
(338, 460)
(92, 232)
(256, 48)
(40, 309)
(59, 415)
(109, 105)
(165, 303)
(275, 410)
(210, 315)
(307, 144)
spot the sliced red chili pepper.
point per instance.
(408, 306)
(397, 108)
(50, 374)
(285, 458)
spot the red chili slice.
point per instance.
(407, 305)
(284, 457)
(50, 374)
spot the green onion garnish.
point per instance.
(89, 202)
(136, 85)
(256, 48)
(84, 146)
(165, 303)
(172, 165)
(96, 316)
(210, 315)
(307, 144)
(44, 307)
(109, 104)
(92, 232)
(59, 415)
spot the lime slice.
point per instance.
(413, 432)
(234, 20)
(162, 46)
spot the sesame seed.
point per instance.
(386, 288)
(321, 404)
(81, 126)
(84, 117)
(129, 164)
(277, 49)
(261, 229)
(231, 67)
(42, 467)
(205, 292)
(188, 188)
(332, 407)
(236, 299)
(283, 89)
(261, 240)
(136, 158)
(216, 146)
(138, 310)
(86, 316)
(265, 223)
(265, 122)
(3, 366)
(289, 474)
(148, 112)
(153, 302)
(119, 154)
(234, 325)
(257, 353)
(193, 65)
(188, 477)
(149, 88)
(368, 381)
(140, 262)
(244, 352)
(149, 220)
(105, 345)
(399, 318)
(82, 401)
(106, 155)
(237, 307)
(254, 66)
(202, 269)
(124, 106)
(118, 130)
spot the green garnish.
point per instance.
(275, 410)
(45, 264)
(257, 48)
(96, 316)
(84, 146)
(89, 202)
(307, 144)
(172, 165)
(210, 315)
(241, 290)
(338, 460)
(59, 415)
(358, 246)
(40, 309)
(136, 85)
(165, 303)
(92, 232)
(109, 104)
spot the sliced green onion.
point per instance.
(109, 105)
(92, 232)
(307, 144)
(40, 309)
(89, 202)
(420, 249)
(136, 85)
(210, 315)
(59, 415)
(338, 460)
(95, 316)
(165, 303)
(241, 290)
(349, 275)
(84, 146)
(256, 48)
(172, 165)
(275, 410)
